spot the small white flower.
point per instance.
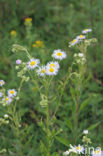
(51, 71)
(53, 64)
(85, 132)
(97, 152)
(59, 55)
(6, 116)
(1, 94)
(66, 153)
(18, 62)
(80, 54)
(85, 31)
(2, 83)
(33, 63)
(7, 100)
(80, 37)
(74, 42)
(79, 149)
(41, 71)
(76, 149)
(12, 92)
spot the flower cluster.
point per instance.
(51, 68)
(84, 149)
(38, 44)
(79, 38)
(80, 58)
(11, 94)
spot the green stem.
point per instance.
(35, 82)
(63, 88)
(16, 120)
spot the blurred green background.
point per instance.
(56, 23)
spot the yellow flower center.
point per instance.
(97, 152)
(85, 29)
(28, 19)
(78, 148)
(52, 65)
(74, 41)
(81, 36)
(43, 71)
(6, 98)
(39, 44)
(32, 63)
(1, 82)
(13, 32)
(51, 70)
(59, 54)
(12, 92)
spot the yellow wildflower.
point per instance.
(28, 20)
(13, 33)
(38, 44)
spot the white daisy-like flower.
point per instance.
(7, 100)
(33, 63)
(59, 55)
(97, 152)
(1, 94)
(53, 64)
(2, 82)
(79, 149)
(85, 132)
(51, 70)
(12, 92)
(74, 42)
(85, 31)
(6, 116)
(41, 71)
(76, 149)
(80, 37)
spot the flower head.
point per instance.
(12, 32)
(79, 149)
(41, 71)
(85, 31)
(53, 64)
(76, 149)
(51, 70)
(97, 152)
(85, 132)
(80, 37)
(18, 62)
(2, 83)
(12, 93)
(28, 20)
(6, 116)
(59, 55)
(7, 100)
(33, 63)
(74, 42)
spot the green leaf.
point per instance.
(83, 105)
(69, 124)
(93, 126)
(63, 141)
